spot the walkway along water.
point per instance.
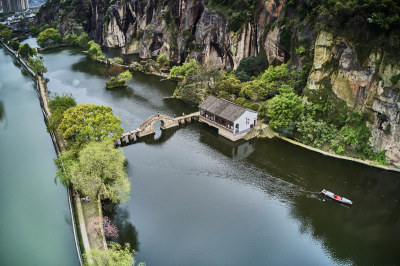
(43, 97)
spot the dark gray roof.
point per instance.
(223, 108)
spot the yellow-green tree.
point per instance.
(47, 36)
(98, 171)
(114, 256)
(89, 122)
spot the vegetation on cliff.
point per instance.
(315, 117)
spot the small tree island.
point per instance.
(119, 81)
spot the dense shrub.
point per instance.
(26, 51)
(71, 40)
(48, 36)
(315, 133)
(251, 67)
(186, 69)
(284, 108)
(95, 50)
(14, 45)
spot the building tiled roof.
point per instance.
(223, 108)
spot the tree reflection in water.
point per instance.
(126, 230)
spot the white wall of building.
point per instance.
(249, 116)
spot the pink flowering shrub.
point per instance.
(110, 230)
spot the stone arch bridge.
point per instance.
(147, 127)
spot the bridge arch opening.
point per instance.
(157, 129)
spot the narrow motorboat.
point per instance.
(336, 197)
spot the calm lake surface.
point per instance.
(198, 199)
(35, 224)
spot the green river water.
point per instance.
(198, 199)
(35, 225)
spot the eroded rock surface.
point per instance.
(365, 86)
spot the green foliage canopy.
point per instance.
(316, 133)
(71, 39)
(25, 51)
(120, 81)
(83, 41)
(115, 256)
(89, 122)
(47, 36)
(95, 50)
(251, 67)
(163, 60)
(185, 70)
(37, 65)
(284, 108)
(6, 35)
(98, 171)
(14, 45)
(58, 105)
(118, 60)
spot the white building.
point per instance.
(232, 120)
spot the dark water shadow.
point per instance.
(240, 149)
(3, 119)
(127, 92)
(126, 230)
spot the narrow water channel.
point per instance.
(35, 225)
(198, 199)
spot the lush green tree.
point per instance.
(58, 105)
(187, 68)
(89, 122)
(71, 39)
(230, 85)
(252, 66)
(284, 108)
(276, 74)
(34, 30)
(188, 93)
(2, 27)
(6, 35)
(118, 60)
(98, 171)
(242, 76)
(163, 60)
(25, 51)
(62, 102)
(48, 36)
(83, 41)
(257, 90)
(14, 45)
(95, 50)
(120, 81)
(204, 78)
(125, 76)
(355, 134)
(316, 133)
(37, 65)
(114, 256)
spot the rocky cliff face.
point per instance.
(182, 29)
(365, 86)
(190, 29)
